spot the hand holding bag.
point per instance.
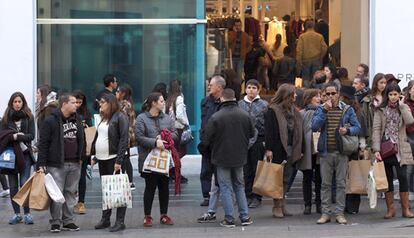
(158, 161)
(39, 198)
(116, 191)
(269, 179)
(53, 190)
(380, 177)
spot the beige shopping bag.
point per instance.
(22, 196)
(357, 176)
(269, 180)
(39, 198)
(381, 182)
(90, 133)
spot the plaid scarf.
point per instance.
(392, 116)
(167, 136)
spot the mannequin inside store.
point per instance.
(274, 25)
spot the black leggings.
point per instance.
(309, 176)
(3, 181)
(152, 181)
(127, 166)
(389, 163)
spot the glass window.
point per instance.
(78, 56)
(136, 9)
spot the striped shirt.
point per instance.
(334, 116)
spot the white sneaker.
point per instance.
(5, 193)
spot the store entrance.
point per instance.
(343, 24)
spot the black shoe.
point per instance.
(184, 180)
(55, 229)
(205, 202)
(318, 208)
(117, 227)
(228, 224)
(246, 221)
(70, 227)
(255, 203)
(307, 210)
(102, 225)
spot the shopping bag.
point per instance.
(22, 196)
(116, 191)
(380, 177)
(89, 136)
(356, 180)
(53, 190)
(39, 198)
(8, 159)
(269, 179)
(371, 188)
(158, 161)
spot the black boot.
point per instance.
(105, 220)
(120, 217)
(307, 210)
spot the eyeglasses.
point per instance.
(330, 94)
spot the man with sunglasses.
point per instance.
(327, 119)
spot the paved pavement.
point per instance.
(185, 209)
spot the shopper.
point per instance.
(332, 75)
(284, 69)
(229, 128)
(46, 103)
(239, 44)
(277, 48)
(256, 107)
(283, 138)
(390, 123)
(110, 83)
(175, 107)
(61, 145)
(309, 164)
(86, 119)
(327, 119)
(362, 70)
(18, 124)
(148, 127)
(124, 96)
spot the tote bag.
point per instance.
(39, 198)
(53, 190)
(356, 180)
(158, 161)
(269, 179)
(116, 191)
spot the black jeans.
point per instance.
(106, 167)
(82, 180)
(152, 181)
(3, 181)
(255, 153)
(206, 174)
(309, 176)
(127, 166)
(389, 163)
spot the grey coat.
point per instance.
(147, 128)
(306, 162)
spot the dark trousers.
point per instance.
(352, 201)
(82, 180)
(389, 163)
(309, 176)
(128, 167)
(3, 181)
(205, 176)
(152, 181)
(255, 153)
(16, 181)
(106, 167)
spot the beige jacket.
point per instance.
(311, 46)
(378, 130)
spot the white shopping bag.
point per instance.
(158, 161)
(53, 190)
(371, 188)
(116, 191)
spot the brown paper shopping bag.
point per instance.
(39, 198)
(89, 137)
(381, 182)
(357, 176)
(269, 180)
(22, 196)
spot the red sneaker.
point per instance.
(147, 221)
(166, 220)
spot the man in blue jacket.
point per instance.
(330, 119)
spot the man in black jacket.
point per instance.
(227, 137)
(111, 83)
(60, 147)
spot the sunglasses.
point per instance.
(330, 94)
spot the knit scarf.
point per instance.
(167, 136)
(392, 116)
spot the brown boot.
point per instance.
(389, 199)
(277, 208)
(405, 206)
(285, 212)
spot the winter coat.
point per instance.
(308, 150)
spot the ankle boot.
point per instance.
(120, 217)
(405, 206)
(105, 220)
(389, 199)
(277, 208)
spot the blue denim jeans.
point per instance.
(308, 70)
(238, 67)
(214, 197)
(231, 180)
(16, 181)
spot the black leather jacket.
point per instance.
(118, 137)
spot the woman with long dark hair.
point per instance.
(110, 147)
(46, 102)
(148, 127)
(389, 126)
(19, 119)
(283, 137)
(332, 75)
(124, 96)
(86, 119)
